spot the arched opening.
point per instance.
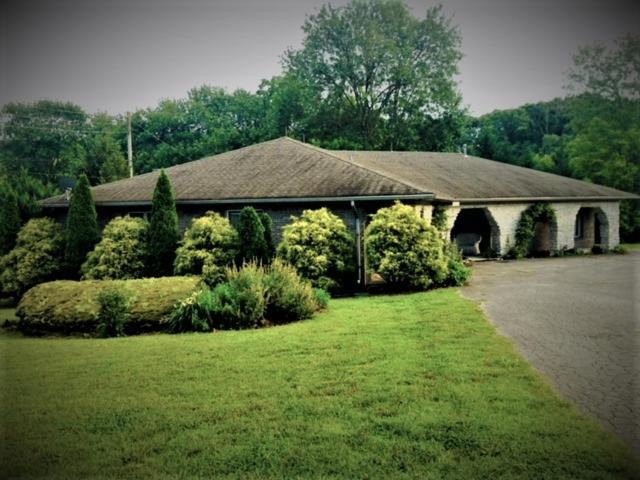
(476, 232)
(543, 244)
(591, 229)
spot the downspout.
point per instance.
(358, 240)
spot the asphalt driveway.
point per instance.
(576, 319)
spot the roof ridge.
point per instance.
(329, 153)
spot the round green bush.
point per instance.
(404, 249)
(36, 258)
(121, 254)
(208, 246)
(321, 248)
(289, 297)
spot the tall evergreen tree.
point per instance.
(251, 236)
(267, 224)
(82, 232)
(163, 229)
(9, 221)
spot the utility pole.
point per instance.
(129, 145)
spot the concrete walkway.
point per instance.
(577, 320)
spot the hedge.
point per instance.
(72, 307)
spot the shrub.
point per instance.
(619, 249)
(208, 246)
(322, 298)
(320, 247)
(113, 310)
(122, 252)
(404, 249)
(9, 221)
(36, 257)
(252, 245)
(163, 228)
(439, 218)
(82, 232)
(67, 306)
(457, 272)
(267, 224)
(240, 302)
(525, 231)
(289, 297)
(193, 313)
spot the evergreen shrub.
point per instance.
(252, 244)
(121, 254)
(113, 311)
(405, 250)
(82, 232)
(209, 245)
(319, 245)
(163, 228)
(36, 258)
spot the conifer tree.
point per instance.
(82, 231)
(251, 237)
(163, 229)
(267, 224)
(9, 221)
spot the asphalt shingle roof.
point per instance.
(286, 168)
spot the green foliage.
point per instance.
(163, 228)
(439, 218)
(72, 307)
(267, 224)
(320, 247)
(113, 311)
(619, 249)
(289, 297)
(106, 153)
(381, 71)
(121, 253)
(458, 273)
(193, 313)
(208, 246)
(322, 298)
(9, 220)
(525, 231)
(36, 258)
(404, 249)
(252, 245)
(240, 302)
(251, 296)
(82, 232)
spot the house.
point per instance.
(483, 199)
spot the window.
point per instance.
(144, 215)
(234, 216)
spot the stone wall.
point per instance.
(507, 215)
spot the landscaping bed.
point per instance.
(72, 307)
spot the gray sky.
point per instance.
(125, 54)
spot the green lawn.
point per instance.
(7, 314)
(415, 386)
(631, 246)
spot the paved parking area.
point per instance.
(577, 320)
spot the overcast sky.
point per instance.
(122, 55)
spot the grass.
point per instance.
(407, 386)
(7, 314)
(631, 246)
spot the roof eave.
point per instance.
(592, 198)
(227, 201)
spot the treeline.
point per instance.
(368, 75)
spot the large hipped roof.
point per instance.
(284, 169)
